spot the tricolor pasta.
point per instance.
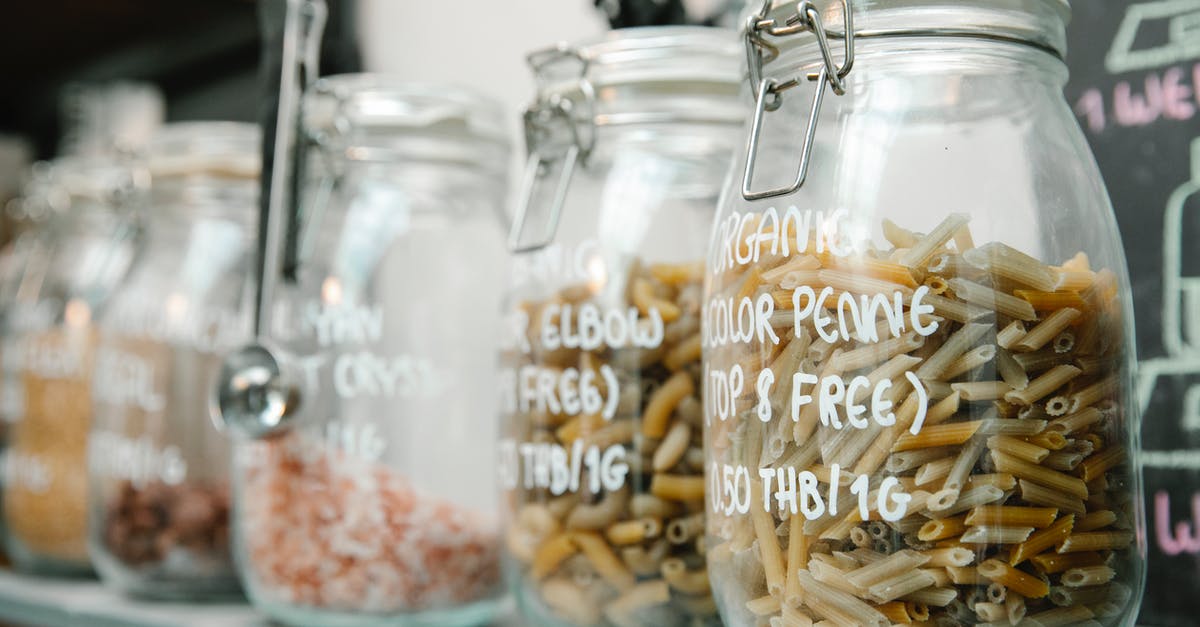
(933, 432)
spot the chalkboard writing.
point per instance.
(1135, 87)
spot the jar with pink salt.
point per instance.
(372, 499)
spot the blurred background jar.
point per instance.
(158, 466)
(374, 501)
(918, 347)
(24, 217)
(73, 265)
(629, 139)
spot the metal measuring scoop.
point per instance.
(257, 394)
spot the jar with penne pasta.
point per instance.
(601, 458)
(916, 331)
(368, 499)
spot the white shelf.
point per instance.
(31, 601)
(38, 601)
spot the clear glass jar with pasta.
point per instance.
(601, 457)
(158, 467)
(372, 501)
(917, 333)
(70, 270)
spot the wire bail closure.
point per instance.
(768, 92)
(544, 120)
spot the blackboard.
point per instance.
(1135, 87)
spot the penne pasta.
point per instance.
(1012, 264)
(1020, 582)
(764, 605)
(988, 534)
(966, 576)
(955, 310)
(1012, 515)
(1068, 425)
(1051, 301)
(988, 298)
(952, 349)
(899, 237)
(1018, 448)
(899, 585)
(952, 556)
(1074, 615)
(1049, 497)
(1044, 385)
(1087, 576)
(1095, 466)
(1094, 393)
(942, 528)
(1095, 541)
(1010, 334)
(1052, 563)
(921, 250)
(1002, 481)
(972, 359)
(770, 555)
(981, 390)
(946, 434)
(1039, 475)
(1010, 371)
(1046, 330)
(1096, 520)
(845, 606)
(934, 471)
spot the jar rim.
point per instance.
(645, 54)
(96, 179)
(337, 104)
(221, 148)
(1038, 23)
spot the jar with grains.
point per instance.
(158, 467)
(374, 502)
(601, 459)
(917, 344)
(71, 268)
(29, 212)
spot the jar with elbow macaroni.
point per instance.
(369, 503)
(601, 458)
(158, 468)
(70, 270)
(917, 348)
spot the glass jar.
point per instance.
(28, 213)
(372, 503)
(70, 270)
(158, 467)
(629, 139)
(918, 351)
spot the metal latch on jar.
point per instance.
(769, 91)
(548, 116)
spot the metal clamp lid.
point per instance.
(769, 91)
(544, 120)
